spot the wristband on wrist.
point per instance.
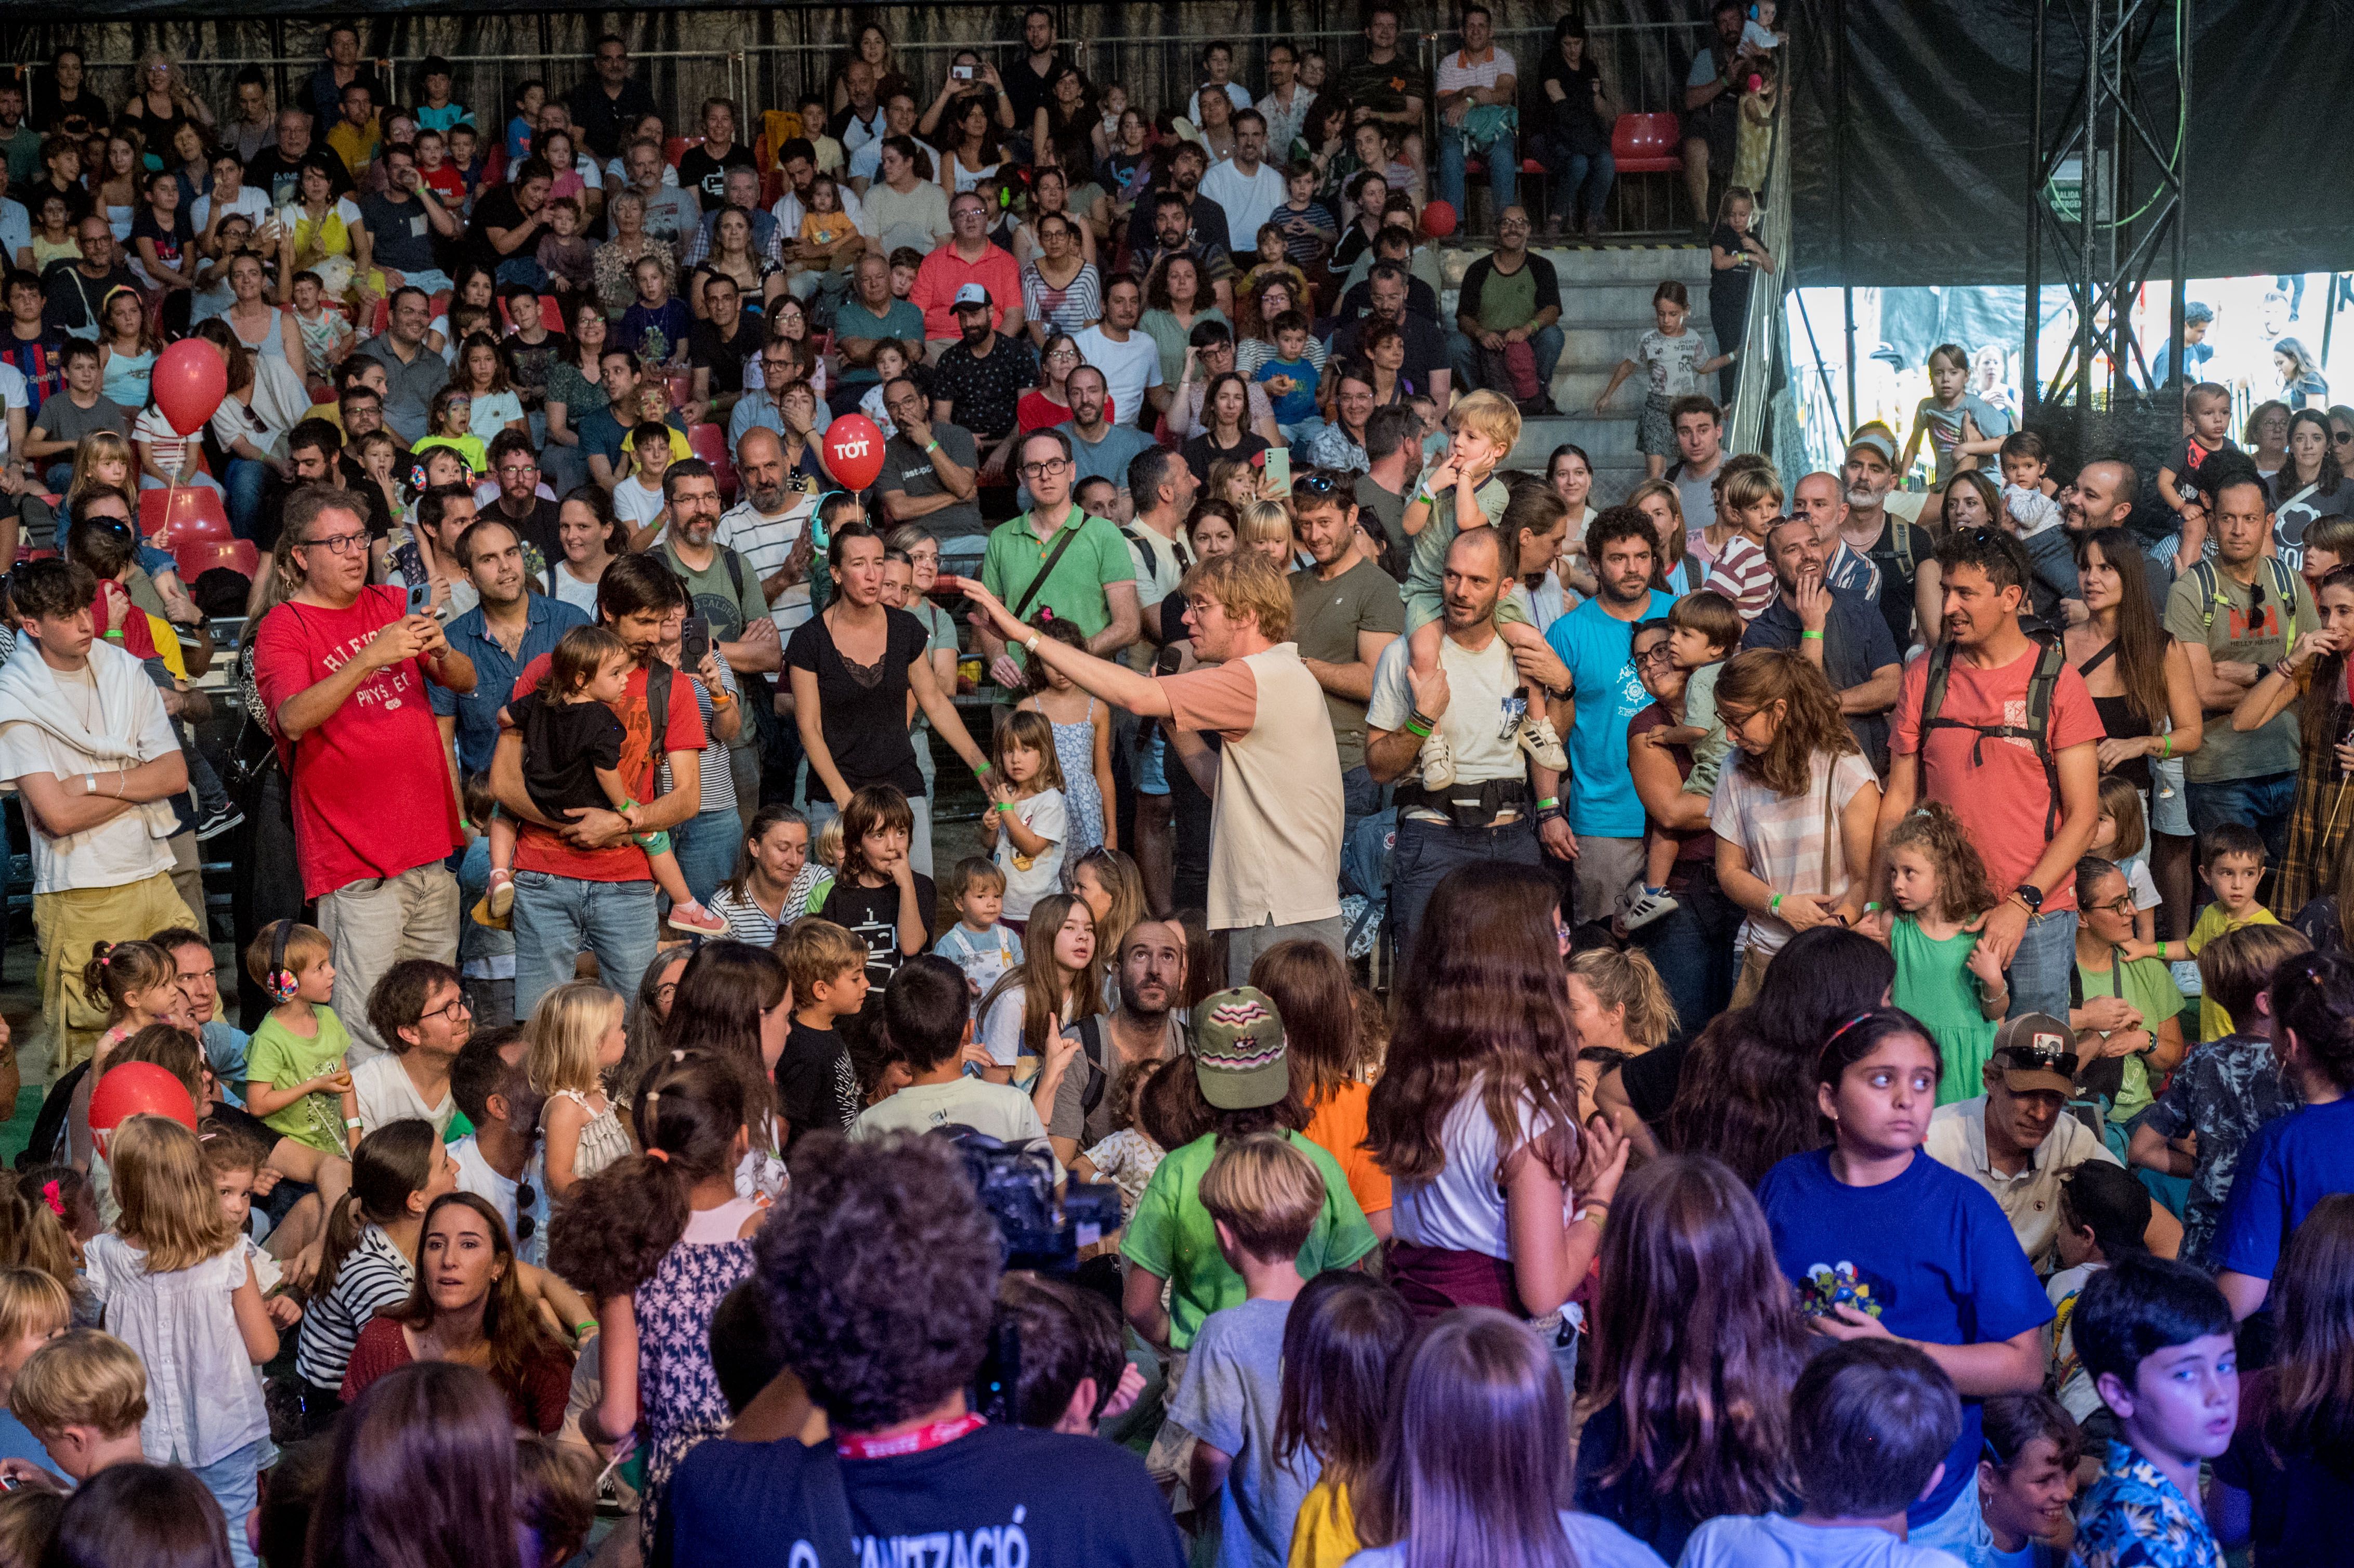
(351, 1121)
(1816, 636)
(583, 1328)
(2165, 747)
(1417, 727)
(1550, 802)
(979, 769)
(1774, 905)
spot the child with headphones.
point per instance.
(297, 1078)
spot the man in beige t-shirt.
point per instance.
(1275, 833)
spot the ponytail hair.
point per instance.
(612, 1235)
(2313, 999)
(390, 1165)
(116, 969)
(34, 1236)
(1627, 979)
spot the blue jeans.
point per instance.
(1503, 171)
(555, 916)
(1583, 185)
(1692, 949)
(2263, 803)
(2041, 968)
(1463, 355)
(246, 479)
(1427, 851)
(235, 1481)
(705, 845)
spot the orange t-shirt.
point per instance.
(1337, 1126)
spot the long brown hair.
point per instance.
(1044, 991)
(1696, 1340)
(1483, 1003)
(2312, 1403)
(2141, 646)
(425, 1458)
(1759, 678)
(512, 1328)
(1310, 990)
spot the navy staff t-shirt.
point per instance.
(1002, 1495)
(1929, 1254)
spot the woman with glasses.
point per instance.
(1049, 402)
(1060, 291)
(422, 1011)
(576, 390)
(2132, 1010)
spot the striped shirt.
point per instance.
(1073, 308)
(747, 921)
(1743, 574)
(374, 1275)
(718, 783)
(1848, 569)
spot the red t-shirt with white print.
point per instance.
(371, 785)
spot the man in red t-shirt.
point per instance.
(587, 883)
(341, 668)
(1979, 760)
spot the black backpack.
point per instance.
(2049, 662)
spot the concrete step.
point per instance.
(1582, 301)
(1607, 440)
(1599, 346)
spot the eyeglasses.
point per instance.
(527, 1221)
(1655, 654)
(339, 543)
(1051, 465)
(457, 1007)
(2121, 904)
(517, 470)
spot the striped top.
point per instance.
(1743, 575)
(1072, 308)
(747, 921)
(375, 1274)
(718, 783)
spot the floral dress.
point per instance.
(1075, 750)
(678, 1391)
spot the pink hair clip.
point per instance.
(49, 1196)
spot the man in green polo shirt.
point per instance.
(1092, 583)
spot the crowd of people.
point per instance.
(1474, 1025)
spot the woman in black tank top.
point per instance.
(2139, 681)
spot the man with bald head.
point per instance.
(2103, 495)
(1820, 499)
(769, 527)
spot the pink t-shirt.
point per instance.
(2005, 802)
(372, 791)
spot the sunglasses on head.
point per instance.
(2036, 1058)
(1315, 485)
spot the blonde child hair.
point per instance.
(305, 945)
(1032, 732)
(1266, 1192)
(32, 1302)
(169, 1208)
(1627, 979)
(974, 872)
(2121, 803)
(1265, 523)
(96, 447)
(1746, 486)
(563, 1034)
(815, 952)
(119, 970)
(828, 848)
(1488, 414)
(84, 1377)
(1964, 891)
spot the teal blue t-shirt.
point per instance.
(1599, 648)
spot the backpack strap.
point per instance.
(2209, 593)
(1900, 536)
(1091, 1042)
(2284, 586)
(658, 678)
(734, 571)
(2050, 660)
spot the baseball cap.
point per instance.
(970, 295)
(2036, 1053)
(1238, 1052)
(1878, 438)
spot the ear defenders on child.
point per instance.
(280, 982)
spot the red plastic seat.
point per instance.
(199, 557)
(1648, 145)
(675, 148)
(191, 512)
(710, 443)
(772, 186)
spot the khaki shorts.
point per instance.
(67, 925)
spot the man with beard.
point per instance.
(314, 452)
(2103, 495)
(1837, 630)
(980, 380)
(1100, 449)
(769, 527)
(1891, 543)
(2028, 801)
(1173, 235)
(520, 505)
(1205, 220)
(969, 267)
(1345, 612)
(720, 586)
(420, 1011)
(1821, 500)
(1087, 579)
(929, 470)
(1595, 640)
(1129, 361)
(506, 629)
(1144, 1027)
(1488, 813)
(1426, 358)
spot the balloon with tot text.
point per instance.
(853, 452)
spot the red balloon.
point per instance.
(854, 450)
(139, 1088)
(1438, 219)
(189, 382)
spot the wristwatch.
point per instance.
(2031, 895)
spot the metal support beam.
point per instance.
(2111, 85)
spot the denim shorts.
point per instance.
(1152, 764)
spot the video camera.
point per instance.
(1017, 1187)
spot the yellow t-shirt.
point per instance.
(1324, 1532)
(2214, 1022)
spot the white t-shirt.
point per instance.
(120, 851)
(1776, 1540)
(1461, 1209)
(1781, 836)
(475, 1176)
(170, 449)
(1001, 1110)
(571, 590)
(387, 1094)
(1248, 199)
(253, 203)
(635, 505)
(2077, 1395)
(14, 394)
(1478, 685)
(1042, 814)
(1128, 369)
(764, 542)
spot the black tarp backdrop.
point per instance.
(1912, 137)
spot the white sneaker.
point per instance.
(1543, 742)
(2186, 976)
(1653, 904)
(1437, 763)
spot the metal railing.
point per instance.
(1762, 355)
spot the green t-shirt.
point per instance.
(1171, 1235)
(899, 320)
(1423, 598)
(1097, 558)
(2147, 985)
(2259, 639)
(281, 1058)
